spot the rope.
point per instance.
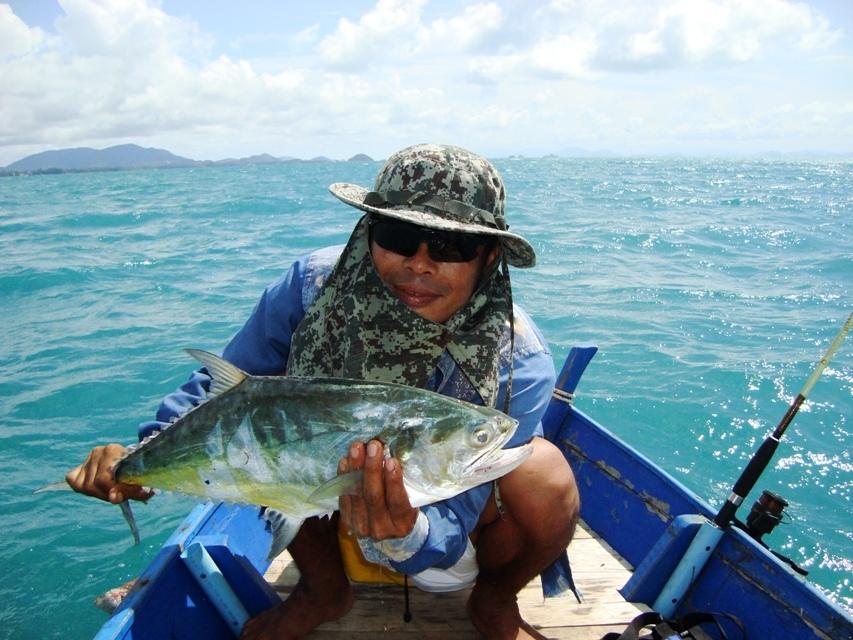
(407, 613)
(563, 396)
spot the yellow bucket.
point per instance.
(360, 570)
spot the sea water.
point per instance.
(711, 287)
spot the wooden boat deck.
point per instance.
(598, 571)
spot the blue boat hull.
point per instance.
(648, 518)
(167, 601)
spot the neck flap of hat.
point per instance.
(357, 328)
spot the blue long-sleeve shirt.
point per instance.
(262, 347)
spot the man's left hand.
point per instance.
(382, 510)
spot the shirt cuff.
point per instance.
(397, 549)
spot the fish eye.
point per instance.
(481, 436)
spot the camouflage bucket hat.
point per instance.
(441, 187)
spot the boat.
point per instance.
(209, 575)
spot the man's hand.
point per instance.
(382, 510)
(95, 477)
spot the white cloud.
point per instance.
(509, 74)
(122, 29)
(563, 56)
(643, 36)
(307, 36)
(379, 36)
(587, 38)
(738, 31)
(467, 31)
(16, 38)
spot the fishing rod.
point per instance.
(709, 533)
(761, 459)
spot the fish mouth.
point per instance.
(497, 462)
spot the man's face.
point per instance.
(435, 290)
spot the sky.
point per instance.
(211, 79)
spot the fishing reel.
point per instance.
(766, 513)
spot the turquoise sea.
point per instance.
(712, 287)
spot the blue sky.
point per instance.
(210, 79)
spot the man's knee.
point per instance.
(541, 494)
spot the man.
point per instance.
(420, 295)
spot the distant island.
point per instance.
(132, 156)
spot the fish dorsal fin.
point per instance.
(224, 375)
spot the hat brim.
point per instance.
(518, 251)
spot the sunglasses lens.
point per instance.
(451, 248)
(404, 239)
(395, 237)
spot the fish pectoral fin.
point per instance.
(346, 484)
(224, 375)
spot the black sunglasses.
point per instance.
(404, 238)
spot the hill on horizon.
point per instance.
(132, 156)
(123, 156)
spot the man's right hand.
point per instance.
(95, 477)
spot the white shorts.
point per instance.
(461, 575)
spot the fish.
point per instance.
(276, 441)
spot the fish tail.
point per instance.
(127, 512)
(54, 486)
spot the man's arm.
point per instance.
(443, 539)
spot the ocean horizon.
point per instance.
(38, 164)
(711, 286)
